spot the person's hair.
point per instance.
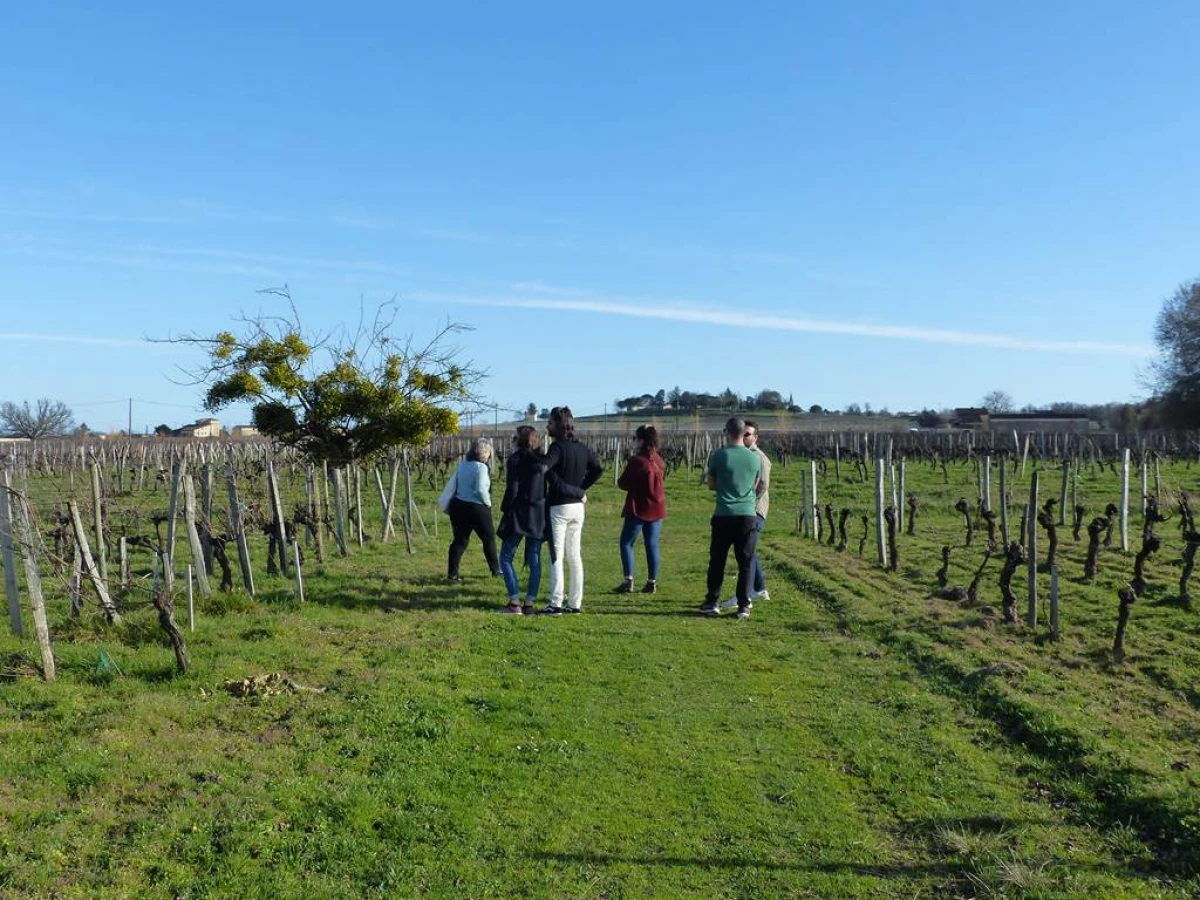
(648, 435)
(735, 427)
(527, 438)
(750, 423)
(481, 450)
(561, 424)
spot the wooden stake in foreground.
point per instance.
(89, 565)
(299, 575)
(33, 583)
(238, 527)
(1031, 524)
(880, 525)
(8, 558)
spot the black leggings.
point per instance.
(466, 518)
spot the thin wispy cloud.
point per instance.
(144, 261)
(191, 259)
(27, 336)
(771, 322)
(108, 218)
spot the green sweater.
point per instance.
(734, 470)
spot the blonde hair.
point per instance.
(481, 450)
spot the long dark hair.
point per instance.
(527, 438)
(648, 435)
(561, 424)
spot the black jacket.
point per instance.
(523, 509)
(571, 468)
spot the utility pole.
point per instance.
(129, 429)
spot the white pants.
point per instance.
(566, 527)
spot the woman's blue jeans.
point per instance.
(629, 533)
(533, 559)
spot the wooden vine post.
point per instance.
(880, 525)
(1054, 628)
(8, 558)
(316, 515)
(277, 512)
(172, 513)
(1066, 483)
(1031, 524)
(89, 565)
(237, 525)
(98, 520)
(27, 536)
(193, 536)
(1125, 500)
(1004, 503)
(814, 511)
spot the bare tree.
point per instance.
(1176, 376)
(48, 418)
(998, 401)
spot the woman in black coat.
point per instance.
(523, 515)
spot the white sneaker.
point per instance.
(744, 613)
(760, 595)
(732, 603)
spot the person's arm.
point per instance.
(656, 488)
(558, 487)
(512, 478)
(485, 485)
(764, 476)
(625, 479)
(594, 470)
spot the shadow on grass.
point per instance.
(687, 612)
(914, 870)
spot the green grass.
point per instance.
(849, 740)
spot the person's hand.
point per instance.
(583, 499)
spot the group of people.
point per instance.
(545, 498)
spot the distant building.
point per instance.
(1060, 423)
(244, 431)
(977, 419)
(973, 417)
(201, 428)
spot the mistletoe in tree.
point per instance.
(336, 396)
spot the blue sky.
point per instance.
(906, 205)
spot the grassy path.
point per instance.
(824, 748)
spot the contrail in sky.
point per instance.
(772, 322)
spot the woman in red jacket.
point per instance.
(645, 507)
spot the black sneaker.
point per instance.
(710, 608)
(650, 587)
(551, 610)
(625, 587)
(571, 609)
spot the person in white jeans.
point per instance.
(571, 468)
(566, 529)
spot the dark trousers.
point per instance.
(760, 580)
(467, 518)
(740, 533)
